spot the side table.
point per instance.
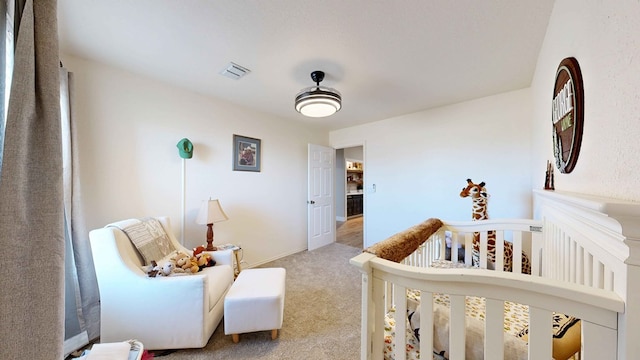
(236, 252)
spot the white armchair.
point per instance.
(172, 312)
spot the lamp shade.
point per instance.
(318, 101)
(211, 212)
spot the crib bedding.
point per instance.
(516, 318)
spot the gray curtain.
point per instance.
(88, 295)
(31, 211)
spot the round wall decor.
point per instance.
(567, 114)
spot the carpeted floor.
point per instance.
(321, 316)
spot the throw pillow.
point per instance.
(566, 336)
(149, 237)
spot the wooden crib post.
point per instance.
(598, 342)
(367, 321)
(400, 340)
(537, 247)
(628, 329)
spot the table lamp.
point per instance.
(210, 212)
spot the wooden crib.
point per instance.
(585, 260)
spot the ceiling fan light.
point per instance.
(318, 101)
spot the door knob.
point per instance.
(311, 202)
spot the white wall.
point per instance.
(603, 37)
(420, 162)
(129, 127)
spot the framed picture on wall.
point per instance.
(246, 153)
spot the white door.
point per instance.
(321, 222)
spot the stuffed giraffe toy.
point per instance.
(479, 196)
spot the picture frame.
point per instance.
(247, 152)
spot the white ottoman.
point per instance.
(255, 302)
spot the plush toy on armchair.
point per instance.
(204, 259)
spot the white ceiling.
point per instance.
(387, 58)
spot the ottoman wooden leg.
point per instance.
(274, 334)
(235, 338)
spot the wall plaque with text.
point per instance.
(567, 114)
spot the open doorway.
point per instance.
(350, 196)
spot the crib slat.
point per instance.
(400, 301)
(565, 257)
(572, 262)
(454, 250)
(537, 246)
(588, 269)
(608, 279)
(426, 323)
(468, 244)
(443, 245)
(598, 275)
(457, 336)
(557, 254)
(580, 265)
(377, 333)
(494, 324)
(540, 333)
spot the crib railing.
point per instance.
(385, 284)
(597, 308)
(525, 235)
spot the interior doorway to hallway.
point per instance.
(349, 192)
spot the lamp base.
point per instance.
(210, 246)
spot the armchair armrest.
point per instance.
(222, 257)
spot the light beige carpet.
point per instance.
(321, 315)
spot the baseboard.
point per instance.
(277, 257)
(341, 218)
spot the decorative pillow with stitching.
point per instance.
(149, 237)
(566, 336)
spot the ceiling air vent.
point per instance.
(234, 71)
